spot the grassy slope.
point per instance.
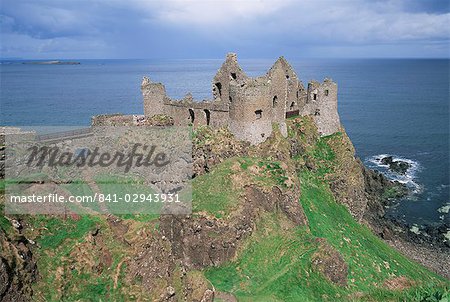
(273, 265)
(73, 267)
(276, 263)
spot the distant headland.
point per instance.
(52, 63)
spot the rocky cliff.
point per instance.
(285, 220)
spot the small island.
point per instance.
(52, 63)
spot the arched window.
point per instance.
(208, 116)
(258, 114)
(274, 101)
(218, 86)
(191, 115)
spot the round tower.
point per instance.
(250, 111)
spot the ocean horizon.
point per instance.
(395, 107)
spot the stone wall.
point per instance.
(249, 106)
(154, 95)
(229, 71)
(251, 114)
(189, 112)
(322, 104)
(116, 119)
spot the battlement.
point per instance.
(249, 106)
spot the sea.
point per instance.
(389, 107)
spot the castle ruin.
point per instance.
(249, 106)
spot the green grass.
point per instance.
(274, 171)
(370, 260)
(323, 155)
(56, 241)
(5, 225)
(120, 192)
(213, 192)
(275, 263)
(67, 270)
(273, 266)
(57, 230)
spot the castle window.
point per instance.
(317, 112)
(208, 116)
(274, 101)
(218, 86)
(287, 76)
(258, 114)
(191, 115)
(326, 92)
(229, 98)
(233, 75)
(292, 105)
(315, 96)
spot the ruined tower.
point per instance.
(229, 71)
(322, 105)
(250, 111)
(249, 107)
(154, 95)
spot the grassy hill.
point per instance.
(325, 256)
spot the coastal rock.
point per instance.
(397, 166)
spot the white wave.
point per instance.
(409, 178)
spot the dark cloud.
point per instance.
(207, 28)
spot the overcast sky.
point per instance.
(210, 28)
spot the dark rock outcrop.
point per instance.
(397, 166)
(202, 240)
(18, 269)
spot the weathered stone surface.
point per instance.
(17, 269)
(275, 199)
(249, 106)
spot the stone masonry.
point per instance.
(249, 107)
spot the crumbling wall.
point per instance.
(154, 95)
(249, 106)
(116, 119)
(287, 92)
(197, 113)
(229, 71)
(322, 105)
(284, 81)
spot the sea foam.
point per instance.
(409, 178)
